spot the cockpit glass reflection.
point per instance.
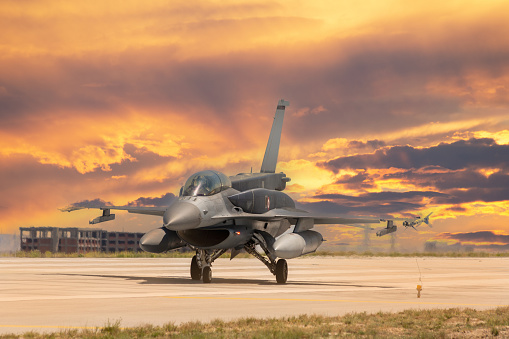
(206, 183)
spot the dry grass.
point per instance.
(177, 254)
(413, 254)
(448, 323)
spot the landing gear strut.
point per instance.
(202, 262)
(279, 268)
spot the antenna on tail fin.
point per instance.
(271, 152)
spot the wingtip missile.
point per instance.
(107, 216)
(391, 228)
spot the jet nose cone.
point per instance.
(182, 216)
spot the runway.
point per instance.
(52, 294)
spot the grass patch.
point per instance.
(413, 254)
(123, 254)
(436, 323)
(177, 254)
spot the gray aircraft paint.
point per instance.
(271, 152)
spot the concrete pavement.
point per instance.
(45, 294)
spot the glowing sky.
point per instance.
(397, 108)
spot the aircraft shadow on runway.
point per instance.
(217, 280)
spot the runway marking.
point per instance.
(333, 300)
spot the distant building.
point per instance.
(77, 240)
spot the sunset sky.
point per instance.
(396, 109)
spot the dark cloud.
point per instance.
(477, 153)
(373, 144)
(361, 180)
(456, 209)
(444, 180)
(475, 194)
(382, 196)
(379, 204)
(459, 186)
(95, 203)
(479, 236)
(164, 200)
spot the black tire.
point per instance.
(281, 271)
(195, 269)
(207, 274)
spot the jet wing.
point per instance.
(296, 215)
(159, 211)
(107, 216)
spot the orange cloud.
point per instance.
(118, 100)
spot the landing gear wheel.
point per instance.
(281, 271)
(195, 269)
(207, 274)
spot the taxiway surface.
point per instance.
(51, 294)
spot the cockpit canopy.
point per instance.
(206, 183)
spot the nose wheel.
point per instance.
(197, 273)
(201, 264)
(207, 274)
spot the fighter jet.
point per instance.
(417, 221)
(215, 213)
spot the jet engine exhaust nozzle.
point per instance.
(182, 216)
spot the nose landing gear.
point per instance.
(207, 274)
(201, 264)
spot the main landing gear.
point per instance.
(281, 271)
(202, 262)
(195, 269)
(278, 268)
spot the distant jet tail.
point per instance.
(426, 219)
(271, 152)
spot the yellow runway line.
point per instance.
(333, 300)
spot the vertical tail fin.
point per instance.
(426, 219)
(272, 150)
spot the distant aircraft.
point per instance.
(417, 221)
(216, 213)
